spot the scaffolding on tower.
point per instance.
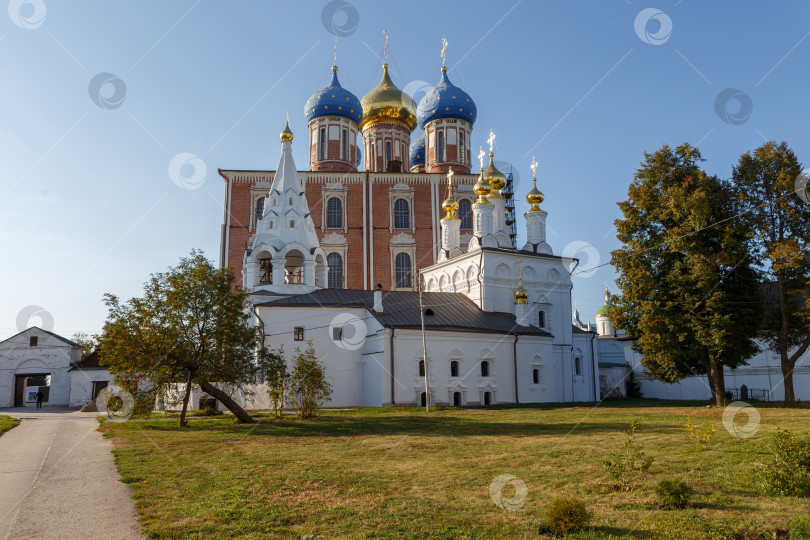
(508, 193)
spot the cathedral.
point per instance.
(405, 275)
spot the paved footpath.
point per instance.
(58, 479)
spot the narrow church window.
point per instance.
(541, 319)
(335, 276)
(402, 214)
(322, 144)
(344, 145)
(337, 333)
(372, 157)
(32, 341)
(462, 151)
(578, 365)
(454, 368)
(421, 368)
(259, 208)
(334, 213)
(292, 223)
(465, 213)
(456, 399)
(439, 146)
(403, 270)
(535, 376)
(298, 333)
(388, 156)
(487, 399)
(265, 272)
(423, 399)
(485, 369)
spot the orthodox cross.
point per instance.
(534, 167)
(444, 49)
(450, 174)
(481, 156)
(385, 46)
(335, 51)
(491, 141)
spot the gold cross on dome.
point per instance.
(444, 49)
(450, 174)
(335, 51)
(481, 156)
(491, 141)
(288, 114)
(385, 46)
(534, 166)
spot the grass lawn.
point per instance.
(403, 473)
(7, 422)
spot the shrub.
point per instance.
(800, 528)
(628, 466)
(789, 474)
(674, 493)
(702, 435)
(566, 516)
(309, 388)
(631, 387)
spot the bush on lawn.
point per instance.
(800, 528)
(566, 516)
(674, 493)
(789, 474)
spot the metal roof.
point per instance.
(450, 311)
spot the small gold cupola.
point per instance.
(482, 187)
(521, 294)
(286, 133)
(535, 196)
(450, 204)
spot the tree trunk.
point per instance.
(717, 381)
(782, 344)
(226, 400)
(186, 397)
(707, 364)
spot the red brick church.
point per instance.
(379, 223)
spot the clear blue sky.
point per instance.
(87, 205)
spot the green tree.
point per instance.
(89, 343)
(277, 377)
(766, 182)
(309, 388)
(191, 326)
(686, 279)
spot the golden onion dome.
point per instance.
(495, 177)
(534, 197)
(286, 133)
(521, 295)
(387, 103)
(482, 189)
(450, 206)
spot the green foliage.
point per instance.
(277, 377)
(309, 388)
(674, 493)
(632, 388)
(89, 343)
(766, 183)
(702, 435)
(191, 325)
(683, 266)
(628, 466)
(789, 473)
(800, 528)
(7, 422)
(566, 516)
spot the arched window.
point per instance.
(344, 145)
(259, 208)
(265, 272)
(541, 319)
(465, 213)
(421, 368)
(334, 213)
(403, 270)
(487, 399)
(402, 214)
(456, 399)
(535, 376)
(322, 144)
(423, 399)
(439, 146)
(462, 150)
(372, 156)
(388, 156)
(335, 277)
(454, 368)
(578, 365)
(485, 369)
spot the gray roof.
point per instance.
(451, 311)
(57, 336)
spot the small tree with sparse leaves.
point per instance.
(309, 388)
(277, 377)
(628, 466)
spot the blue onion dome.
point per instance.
(446, 100)
(334, 100)
(417, 153)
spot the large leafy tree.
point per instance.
(684, 272)
(777, 206)
(191, 326)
